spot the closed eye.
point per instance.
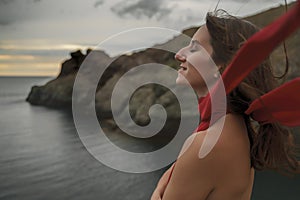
(193, 50)
(195, 46)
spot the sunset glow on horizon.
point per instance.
(37, 36)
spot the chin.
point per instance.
(181, 80)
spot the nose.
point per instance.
(179, 56)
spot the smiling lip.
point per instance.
(182, 68)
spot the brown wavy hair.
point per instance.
(272, 145)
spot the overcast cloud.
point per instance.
(51, 28)
(153, 8)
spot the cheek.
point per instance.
(200, 73)
(201, 78)
(192, 71)
(202, 66)
(201, 61)
(194, 75)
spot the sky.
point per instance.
(37, 35)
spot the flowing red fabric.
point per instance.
(249, 56)
(281, 104)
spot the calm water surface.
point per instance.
(41, 157)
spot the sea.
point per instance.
(42, 157)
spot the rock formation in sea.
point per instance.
(57, 93)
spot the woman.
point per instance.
(244, 145)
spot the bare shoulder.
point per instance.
(232, 149)
(234, 135)
(232, 154)
(229, 159)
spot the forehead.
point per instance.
(203, 38)
(202, 35)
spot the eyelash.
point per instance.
(193, 49)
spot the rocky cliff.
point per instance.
(58, 92)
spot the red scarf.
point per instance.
(249, 56)
(279, 105)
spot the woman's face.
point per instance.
(197, 66)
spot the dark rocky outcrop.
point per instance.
(72, 65)
(58, 92)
